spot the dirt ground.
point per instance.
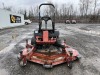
(83, 37)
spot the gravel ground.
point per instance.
(83, 37)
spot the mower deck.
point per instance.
(48, 58)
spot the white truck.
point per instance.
(27, 22)
(73, 21)
(67, 22)
(70, 22)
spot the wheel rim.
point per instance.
(22, 63)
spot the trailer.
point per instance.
(10, 19)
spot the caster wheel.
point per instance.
(78, 58)
(69, 65)
(21, 63)
(18, 56)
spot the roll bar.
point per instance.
(46, 4)
(53, 23)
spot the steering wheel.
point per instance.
(45, 18)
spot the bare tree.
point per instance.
(98, 12)
(21, 11)
(9, 8)
(87, 6)
(51, 10)
(82, 7)
(25, 14)
(95, 6)
(60, 13)
(45, 11)
(64, 11)
(36, 11)
(31, 13)
(71, 10)
(56, 11)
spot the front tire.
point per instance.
(70, 65)
(26, 23)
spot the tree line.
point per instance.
(86, 11)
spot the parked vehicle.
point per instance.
(67, 22)
(73, 21)
(27, 22)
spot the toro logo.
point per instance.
(15, 19)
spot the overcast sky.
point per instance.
(29, 3)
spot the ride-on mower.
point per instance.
(46, 48)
